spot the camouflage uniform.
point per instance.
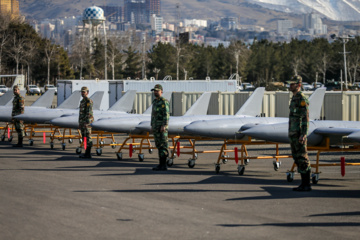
(298, 126)
(18, 108)
(86, 117)
(160, 117)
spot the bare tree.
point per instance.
(29, 56)
(323, 65)
(113, 50)
(17, 50)
(4, 38)
(50, 51)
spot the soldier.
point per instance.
(86, 117)
(159, 126)
(18, 108)
(298, 128)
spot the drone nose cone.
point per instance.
(271, 132)
(144, 126)
(67, 122)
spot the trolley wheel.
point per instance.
(70, 141)
(170, 162)
(10, 139)
(78, 150)
(289, 176)
(31, 142)
(151, 151)
(246, 161)
(98, 151)
(224, 161)
(33, 134)
(101, 144)
(315, 178)
(63, 146)
(241, 170)
(113, 146)
(217, 168)
(119, 156)
(80, 140)
(141, 157)
(276, 165)
(191, 163)
(196, 156)
(3, 138)
(134, 150)
(52, 145)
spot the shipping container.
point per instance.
(114, 88)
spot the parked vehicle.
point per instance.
(3, 89)
(33, 89)
(317, 84)
(356, 84)
(246, 86)
(306, 86)
(47, 87)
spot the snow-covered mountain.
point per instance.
(339, 10)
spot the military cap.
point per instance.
(157, 88)
(296, 79)
(84, 89)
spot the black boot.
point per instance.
(87, 153)
(162, 164)
(305, 183)
(20, 143)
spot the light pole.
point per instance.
(344, 39)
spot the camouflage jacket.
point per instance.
(299, 115)
(18, 105)
(160, 113)
(86, 115)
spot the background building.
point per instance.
(9, 7)
(284, 26)
(141, 11)
(153, 7)
(156, 24)
(113, 14)
(229, 23)
(135, 11)
(195, 22)
(313, 24)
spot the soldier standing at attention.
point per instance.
(86, 117)
(298, 128)
(18, 108)
(159, 126)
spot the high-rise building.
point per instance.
(153, 7)
(313, 23)
(156, 24)
(113, 14)
(229, 23)
(135, 11)
(141, 11)
(284, 26)
(9, 7)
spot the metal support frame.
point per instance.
(320, 149)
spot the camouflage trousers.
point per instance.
(86, 132)
(19, 127)
(300, 155)
(161, 143)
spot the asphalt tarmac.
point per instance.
(52, 194)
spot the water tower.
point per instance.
(94, 18)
